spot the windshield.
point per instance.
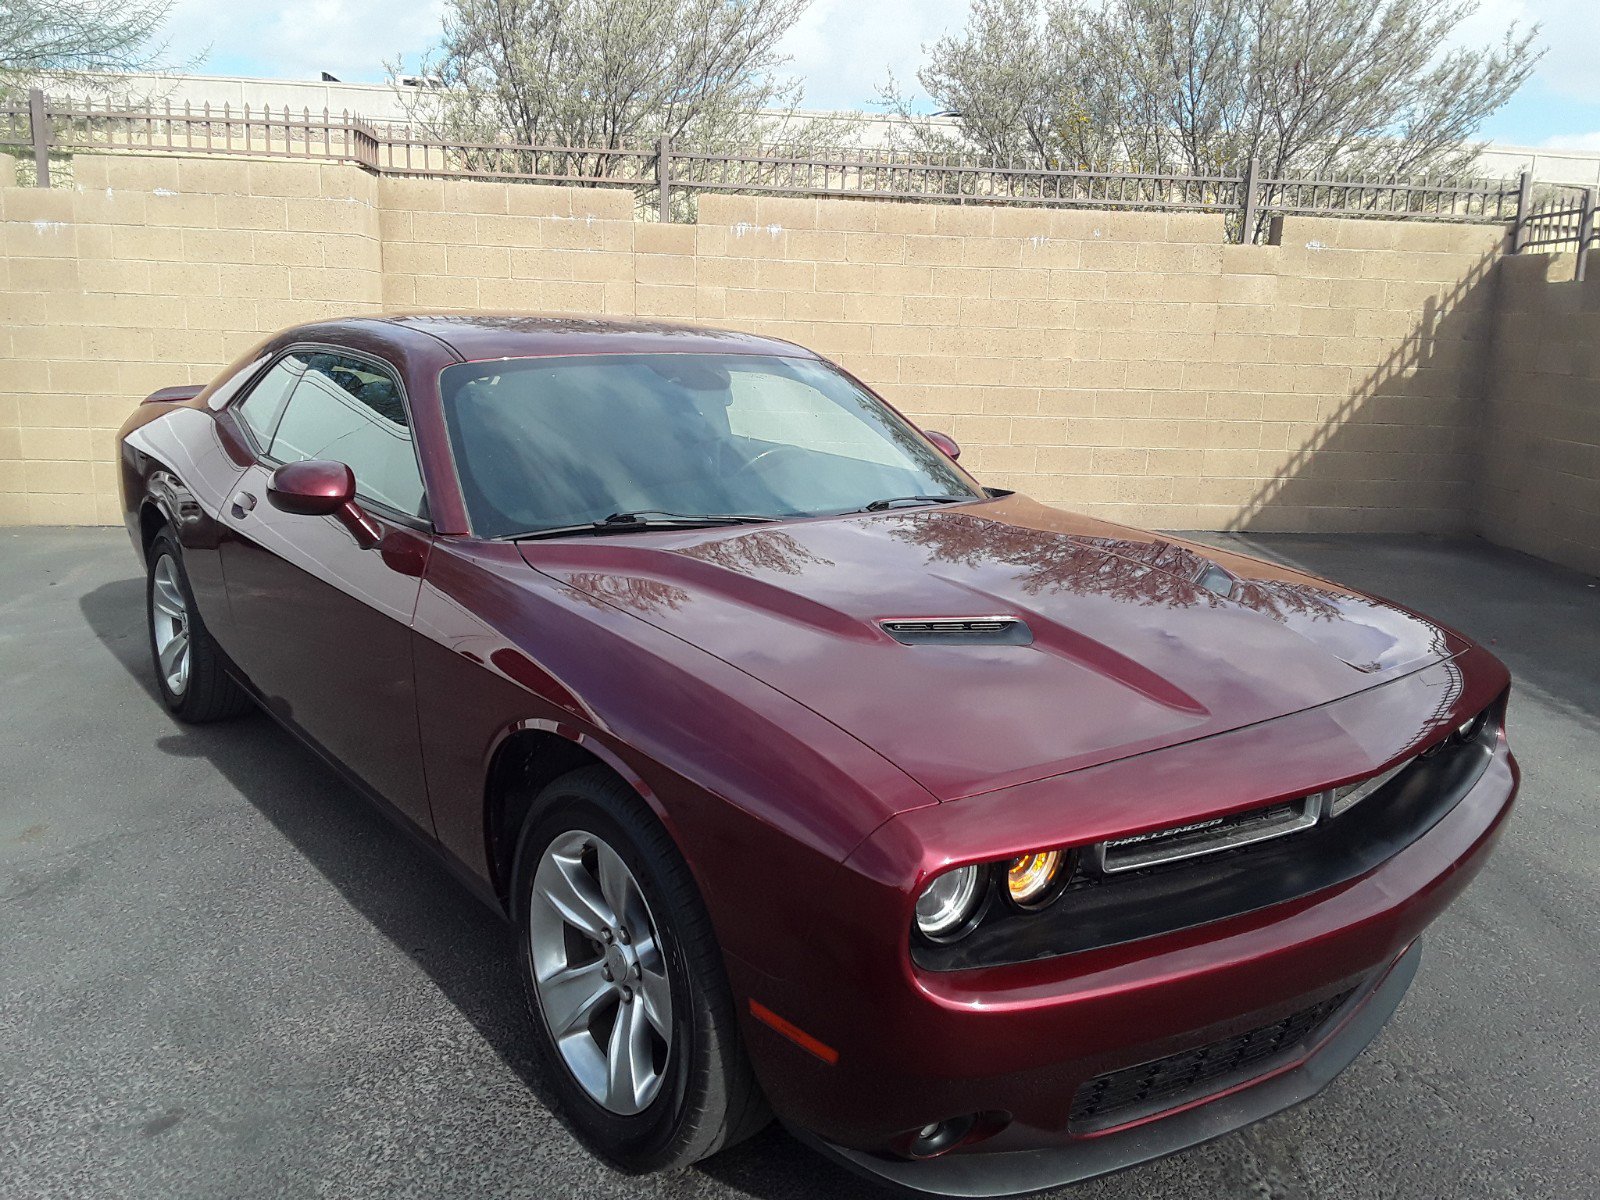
(545, 443)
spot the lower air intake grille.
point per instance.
(1133, 1092)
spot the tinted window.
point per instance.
(541, 443)
(350, 411)
(261, 409)
(225, 391)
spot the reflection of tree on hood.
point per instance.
(1150, 573)
(1278, 598)
(753, 553)
(626, 591)
(1047, 561)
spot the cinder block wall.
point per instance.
(1126, 364)
(1541, 435)
(151, 272)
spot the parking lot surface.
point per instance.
(223, 974)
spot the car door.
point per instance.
(321, 622)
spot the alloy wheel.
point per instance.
(169, 622)
(599, 972)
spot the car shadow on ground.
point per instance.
(398, 886)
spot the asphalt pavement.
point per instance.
(223, 974)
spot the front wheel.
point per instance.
(636, 1023)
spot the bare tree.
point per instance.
(47, 39)
(609, 73)
(1202, 85)
(1011, 81)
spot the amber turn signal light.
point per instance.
(1031, 878)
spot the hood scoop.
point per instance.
(958, 631)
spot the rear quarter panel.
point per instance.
(179, 461)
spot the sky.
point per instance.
(841, 50)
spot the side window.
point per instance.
(261, 409)
(225, 391)
(350, 411)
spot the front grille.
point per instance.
(1181, 842)
(1151, 1087)
(1117, 895)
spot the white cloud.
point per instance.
(296, 39)
(844, 49)
(1572, 141)
(1569, 31)
(841, 49)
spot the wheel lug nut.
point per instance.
(622, 936)
(636, 972)
(606, 972)
(627, 995)
(606, 935)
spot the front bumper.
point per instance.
(1018, 1172)
(1022, 1040)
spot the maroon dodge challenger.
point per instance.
(988, 846)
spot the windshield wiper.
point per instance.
(891, 501)
(634, 522)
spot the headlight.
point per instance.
(948, 902)
(1031, 878)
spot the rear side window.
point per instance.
(261, 409)
(351, 411)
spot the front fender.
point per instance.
(764, 798)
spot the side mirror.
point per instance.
(945, 442)
(318, 488)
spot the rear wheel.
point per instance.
(189, 672)
(626, 983)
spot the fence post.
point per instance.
(39, 131)
(1585, 231)
(664, 177)
(1247, 204)
(1519, 232)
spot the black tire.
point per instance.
(708, 1099)
(210, 693)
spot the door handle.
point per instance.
(243, 504)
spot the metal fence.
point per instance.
(1562, 219)
(47, 129)
(665, 177)
(896, 175)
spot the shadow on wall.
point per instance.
(1401, 448)
(1539, 486)
(399, 887)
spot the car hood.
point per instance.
(1138, 641)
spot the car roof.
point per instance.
(479, 336)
